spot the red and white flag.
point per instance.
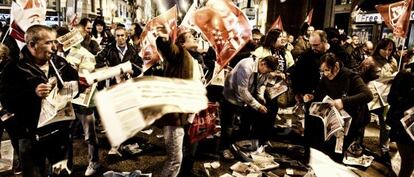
(277, 24)
(25, 13)
(397, 16)
(308, 19)
(149, 50)
(225, 26)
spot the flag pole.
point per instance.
(5, 34)
(401, 53)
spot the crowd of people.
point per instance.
(317, 64)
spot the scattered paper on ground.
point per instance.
(6, 161)
(323, 166)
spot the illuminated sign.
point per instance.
(374, 18)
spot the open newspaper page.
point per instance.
(57, 106)
(380, 89)
(108, 72)
(347, 119)
(70, 39)
(84, 62)
(408, 122)
(330, 116)
(84, 99)
(277, 89)
(129, 107)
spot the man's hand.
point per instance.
(42, 90)
(338, 104)
(262, 109)
(307, 98)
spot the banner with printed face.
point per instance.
(225, 26)
(149, 50)
(397, 16)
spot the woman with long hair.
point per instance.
(100, 34)
(381, 64)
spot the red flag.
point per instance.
(149, 50)
(277, 24)
(225, 26)
(308, 19)
(397, 16)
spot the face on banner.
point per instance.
(28, 12)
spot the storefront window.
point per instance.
(5, 2)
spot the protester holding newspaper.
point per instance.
(120, 52)
(25, 84)
(380, 65)
(178, 63)
(401, 100)
(349, 93)
(83, 61)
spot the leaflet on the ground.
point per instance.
(70, 39)
(380, 89)
(408, 122)
(129, 107)
(363, 160)
(57, 106)
(333, 120)
(7, 154)
(108, 72)
(277, 89)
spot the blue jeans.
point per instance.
(173, 137)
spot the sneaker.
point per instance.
(114, 151)
(18, 168)
(92, 168)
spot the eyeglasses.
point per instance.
(315, 45)
(120, 35)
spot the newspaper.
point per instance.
(277, 89)
(333, 120)
(6, 156)
(81, 59)
(84, 99)
(109, 72)
(57, 106)
(380, 89)
(129, 107)
(408, 122)
(70, 39)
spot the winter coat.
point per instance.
(375, 67)
(17, 91)
(110, 57)
(400, 98)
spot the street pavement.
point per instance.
(151, 159)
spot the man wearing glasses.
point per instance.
(306, 75)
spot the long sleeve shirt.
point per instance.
(239, 86)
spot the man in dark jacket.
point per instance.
(24, 84)
(120, 52)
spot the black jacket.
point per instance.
(110, 57)
(400, 98)
(17, 90)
